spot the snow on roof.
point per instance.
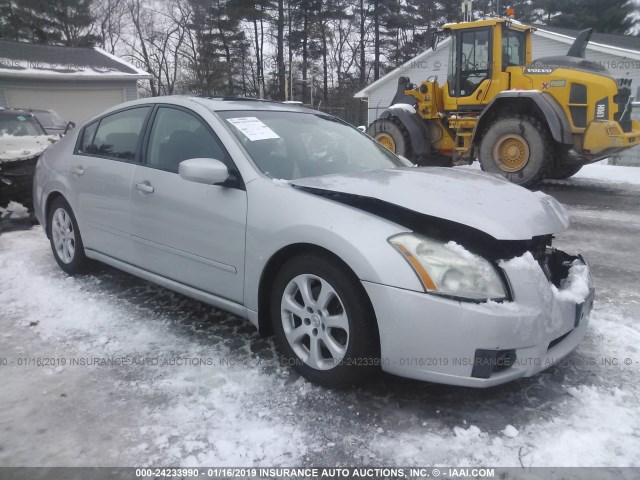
(20, 59)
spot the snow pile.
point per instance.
(523, 262)
(280, 182)
(510, 431)
(575, 287)
(14, 210)
(608, 174)
(577, 435)
(403, 106)
(13, 148)
(461, 251)
(594, 174)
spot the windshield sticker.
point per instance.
(253, 128)
(21, 118)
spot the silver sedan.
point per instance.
(354, 259)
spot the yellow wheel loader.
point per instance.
(524, 119)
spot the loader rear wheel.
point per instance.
(560, 172)
(518, 148)
(392, 135)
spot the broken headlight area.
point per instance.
(556, 265)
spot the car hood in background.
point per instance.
(14, 148)
(472, 198)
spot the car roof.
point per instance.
(34, 110)
(16, 111)
(220, 104)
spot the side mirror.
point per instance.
(70, 125)
(203, 170)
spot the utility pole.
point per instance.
(467, 10)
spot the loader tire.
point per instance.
(517, 147)
(392, 135)
(560, 172)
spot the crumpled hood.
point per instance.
(481, 201)
(13, 148)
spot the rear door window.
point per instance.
(87, 137)
(118, 134)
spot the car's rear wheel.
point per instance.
(65, 238)
(324, 321)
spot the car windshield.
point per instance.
(50, 119)
(19, 125)
(290, 145)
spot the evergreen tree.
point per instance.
(54, 22)
(216, 58)
(611, 16)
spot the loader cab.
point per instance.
(469, 61)
(481, 58)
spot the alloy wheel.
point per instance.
(64, 237)
(315, 321)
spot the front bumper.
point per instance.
(435, 339)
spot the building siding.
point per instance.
(131, 91)
(106, 90)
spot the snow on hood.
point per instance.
(482, 201)
(13, 148)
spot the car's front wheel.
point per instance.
(65, 238)
(324, 321)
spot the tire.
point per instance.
(331, 356)
(392, 135)
(65, 239)
(560, 172)
(526, 149)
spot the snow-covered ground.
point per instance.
(595, 174)
(605, 174)
(190, 385)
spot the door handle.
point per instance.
(77, 171)
(145, 187)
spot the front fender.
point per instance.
(416, 128)
(276, 220)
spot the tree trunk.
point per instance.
(376, 39)
(305, 55)
(363, 66)
(280, 51)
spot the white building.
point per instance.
(619, 54)
(78, 83)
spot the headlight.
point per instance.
(449, 269)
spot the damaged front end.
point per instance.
(490, 341)
(18, 158)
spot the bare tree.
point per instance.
(156, 43)
(110, 23)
